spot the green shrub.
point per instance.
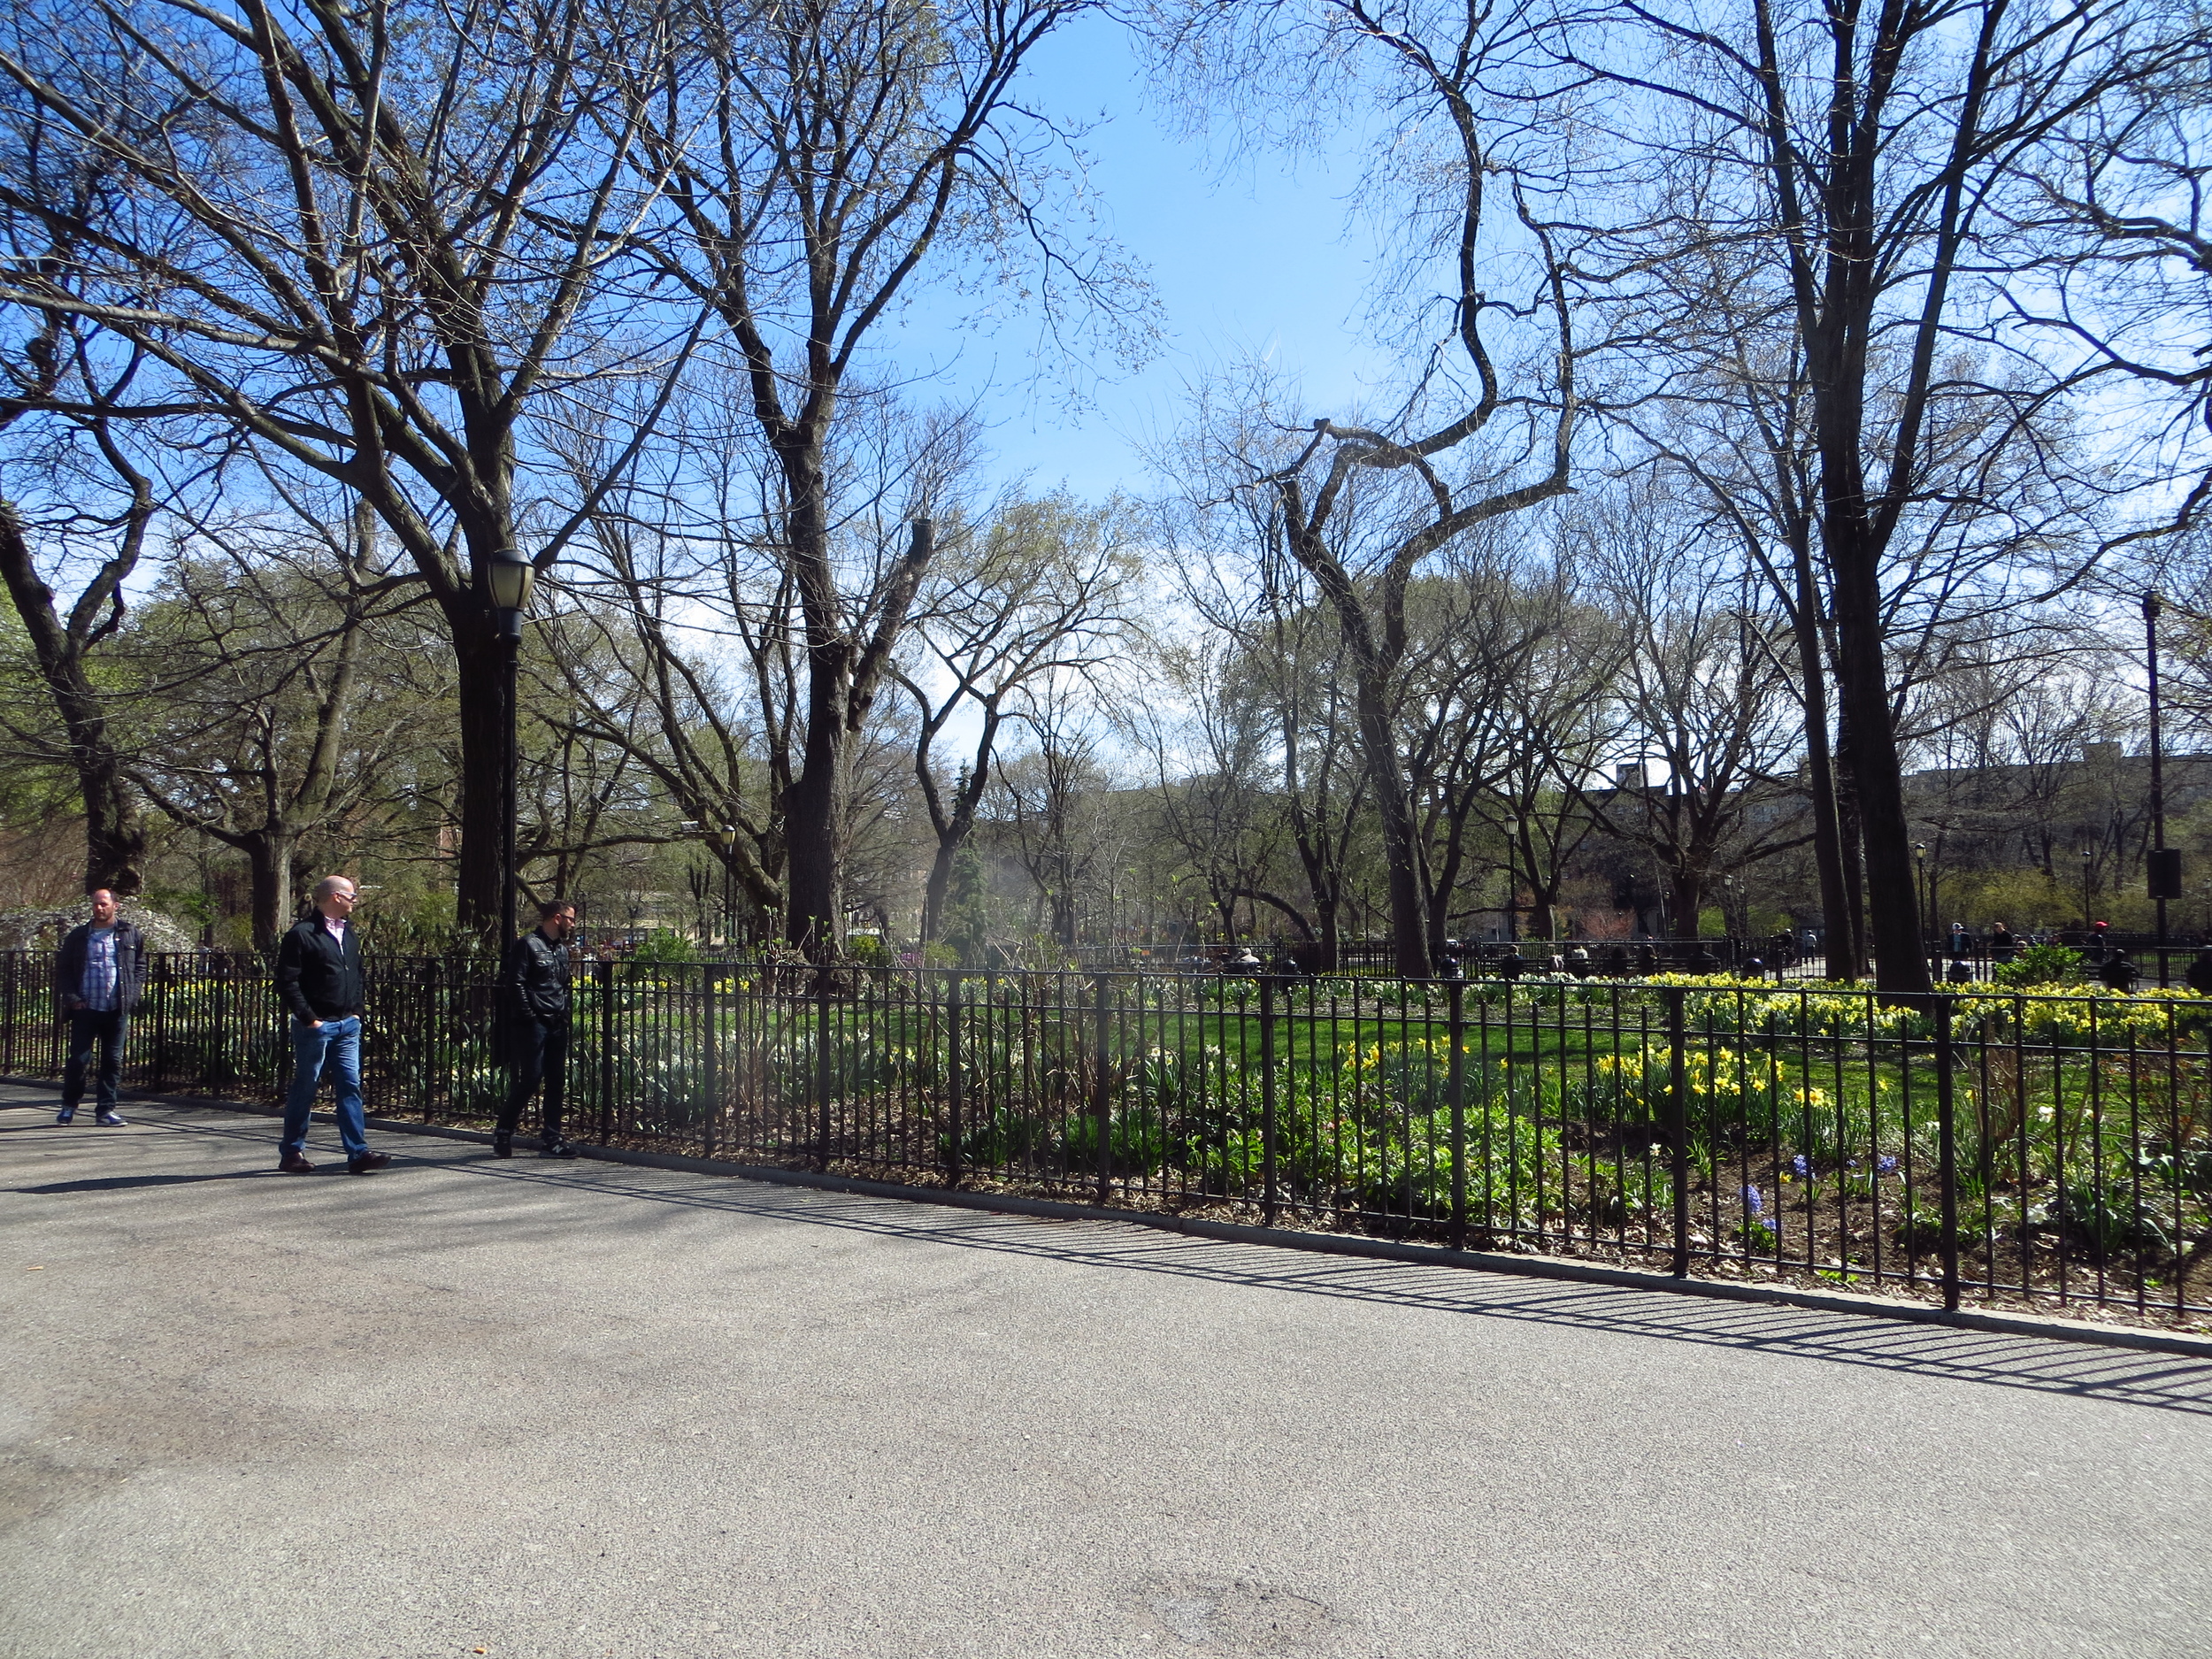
(2039, 965)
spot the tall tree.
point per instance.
(1036, 594)
(372, 239)
(819, 159)
(1861, 159)
(1365, 504)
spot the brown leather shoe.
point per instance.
(293, 1164)
(367, 1162)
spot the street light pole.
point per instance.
(1512, 882)
(2088, 852)
(1920, 889)
(2165, 864)
(728, 839)
(507, 579)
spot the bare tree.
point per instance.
(1036, 594)
(275, 686)
(372, 239)
(819, 159)
(1363, 506)
(1859, 164)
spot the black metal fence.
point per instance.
(2049, 1149)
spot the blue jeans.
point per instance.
(333, 1046)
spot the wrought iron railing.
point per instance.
(2047, 1149)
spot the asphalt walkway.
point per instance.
(533, 1408)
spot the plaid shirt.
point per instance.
(99, 968)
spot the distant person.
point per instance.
(2099, 940)
(97, 976)
(2118, 973)
(319, 976)
(534, 1009)
(1961, 942)
(2003, 947)
(2199, 978)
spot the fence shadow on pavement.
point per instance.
(2161, 1381)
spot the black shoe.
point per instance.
(503, 1146)
(294, 1163)
(367, 1162)
(66, 1115)
(556, 1147)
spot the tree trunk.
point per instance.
(269, 863)
(815, 808)
(115, 826)
(1837, 899)
(1408, 914)
(1688, 896)
(1893, 909)
(480, 694)
(1850, 935)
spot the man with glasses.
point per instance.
(96, 980)
(319, 976)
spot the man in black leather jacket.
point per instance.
(535, 1002)
(319, 977)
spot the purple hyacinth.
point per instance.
(1886, 1164)
(1754, 1205)
(1801, 1167)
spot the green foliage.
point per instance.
(665, 945)
(964, 930)
(2039, 965)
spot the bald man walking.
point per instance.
(319, 976)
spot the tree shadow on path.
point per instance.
(2040, 1365)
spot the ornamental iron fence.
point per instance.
(2047, 1149)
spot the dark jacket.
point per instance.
(315, 977)
(534, 980)
(130, 966)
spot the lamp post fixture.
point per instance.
(726, 838)
(507, 580)
(2088, 854)
(1920, 887)
(1512, 882)
(2165, 863)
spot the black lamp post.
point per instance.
(507, 578)
(2088, 855)
(727, 839)
(1920, 869)
(1512, 882)
(2165, 862)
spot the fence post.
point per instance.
(1679, 1126)
(1103, 1100)
(822, 1068)
(1947, 1153)
(714, 1068)
(605, 973)
(955, 1084)
(159, 979)
(1269, 1192)
(1457, 1084)
(218, 1081)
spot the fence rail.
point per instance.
(2050, 1150)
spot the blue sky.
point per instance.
(1250, 259)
